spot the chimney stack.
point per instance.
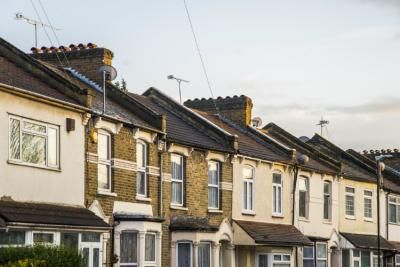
(237, 108)
(84, 58)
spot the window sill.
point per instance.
(348, 217)
(173, 207)
(278, 216)
(106, 193)
(327, 222)
(142, 198)
(302, 219)
(215, 211)
(371, 220)
(249, 212)
(13, 162)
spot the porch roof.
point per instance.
(362, 241)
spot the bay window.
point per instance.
(150, 250)
(303, 197)
(204, 259)
(277, 194)
(308, 256)
(12, 238)
(368, 204)
(349, 197)
(248, 190)
(141, 174)
(184, 254)
(322, 257)
(33, 143)
(104, 163)
(43, 238)
(397, 260)
(177, 179)
(327, 200)
(213, 184)
(276, 260)
(128, 249)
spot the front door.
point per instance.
(91, 254)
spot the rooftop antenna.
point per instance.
(108, 73)
(179, 80)
(35, 23)
(322, 123)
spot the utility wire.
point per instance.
(203, 65)
(54, 32)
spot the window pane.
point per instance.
(150, 247)
(52, 141)
(15, 139)
(367, 208)
(213, 197)
(90, 237)
(326, 207)
(356, 253)
(12, 238)
(302, 203)
(308, 252)
(128, 247)
(321, 251)
(103, 145)
(34, 127)
(176, 192)
(176, 167)
(350, 190)
(103, 175)
(213, 171)
(248, 172)
(392, 213)
(204, 255)
(321, 263)
(141, 160)
(70, 240)
(85, 253)
(350, 205)
(365, 259)
(303, 184)
(262, 260)
(286, 257)
(96, 256)
(250, 204)
(34, 149)
(308, 263)
(245, 196)
(184, 255)
(327, 188)
(141, 183)
(43, 238)
(277, 257)
(277, 178)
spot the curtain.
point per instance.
(204, 255)
(262, 260)
(150, 247)
(184, 254)
(128, 247)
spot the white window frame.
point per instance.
(181, 182)
(397, 260)
(106, 162)
(210, 251)
(177, 252)
(275, 188)
(28, 236)
(355, 258)
(281, 261)
(216, 186)
(313, 255)
(353, 196)
(142, 169)
(307, 204)
(248, 196)
(326, 253)
(56, 236)
(371, 198)
(31, 132)
(393, 200)
(329, 195)
(151, 263)
(137, 249)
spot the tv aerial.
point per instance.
(179, 80)
(322, 123)
(108, 73)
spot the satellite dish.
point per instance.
(110, 71)
(256, 122)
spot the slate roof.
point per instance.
(49, 214)
(180, 130)
(396, 245)
(274, 234)
(367, 241)
(317, 161)
(249, 144)
(191, 223)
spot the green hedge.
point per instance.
(40, 256)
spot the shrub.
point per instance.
(40, 256)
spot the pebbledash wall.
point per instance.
(30, 183)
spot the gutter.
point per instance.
(56, 226)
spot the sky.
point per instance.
(297, 60)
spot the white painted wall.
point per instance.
(33, 184)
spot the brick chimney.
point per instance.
(237, 108)
(86, 59)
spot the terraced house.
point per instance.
(42, 144)
(197, 186)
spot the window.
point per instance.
(262, 260)
(128, 249)
(184, 254)
(141, 161)
(248, 180)
(394, 210)
(281, 260)
(34, 143)
(389, 262)
(397, 260)
(356, 258)
(12, 238)
(365, 259)
(368, 204)
(350, 193)
(43, 238)
(150, 250)
(327, 200)
(90, 237)
(70, 240)
(277, 194)
(177, 179)
(204, 255)
(321, 249)
(308, 257)
(375, 260)
(303, 197)
(104, 164)
(213, 184)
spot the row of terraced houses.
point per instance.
(141, 180)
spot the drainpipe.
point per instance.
(161, 158)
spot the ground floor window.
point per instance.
(128, 249)
(397, 260)
(318, 252)
(12, 238)
(184, 254)
(277, 260)
(150, 250)
(361, 258)
(204, 254)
